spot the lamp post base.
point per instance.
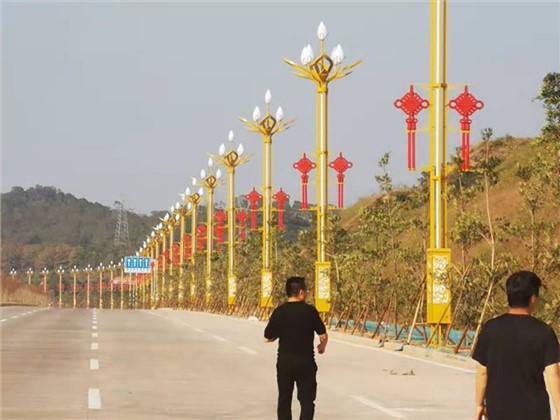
(323, 287)
(232, 289)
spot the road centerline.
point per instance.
(94, 398)
(376, 406)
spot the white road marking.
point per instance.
(2, 320)
(93, 335)
(248, 350)
(94, 327)
(94, 364)
(94, 322)
(199, 330)
(95, 346)
(375, 405)
(399, 354)
(217, 337)
(15, 316)
(94, 398)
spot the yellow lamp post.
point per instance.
(182, 212)
(13, 274)
(121, 281)
(210, 181)
(162, 231)
(74, 270)
(88, 270)
(322, 70)
(156, 238)
(60, 272)
(112, 266)
(267, 126)
(152, 244)
(193, 202)
(100, 270)
(29, 273)
(173, 220)
(45, 274)
(231, 158)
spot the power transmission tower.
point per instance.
(121, 231)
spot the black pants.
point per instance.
(304, 374)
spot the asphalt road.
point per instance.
(119, 365)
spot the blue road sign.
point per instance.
(137, 264)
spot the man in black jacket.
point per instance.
(295, 323)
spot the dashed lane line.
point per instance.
(248, 350)
(199, 330)
(95, 346)
(376, 406)
(217, 337)
(94, 398)
(93, 335)
(94, 327)
(94, 364)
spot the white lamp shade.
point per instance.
(279, 114)
(222, 149)
(322, 31)
(230, 135)
(194, 182)
(188, 191)
(200, 191)
(240, 149)
(256, 114)
(210, 162)
(267, 97)
(218, 173)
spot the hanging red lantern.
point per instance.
(201, 231)
(220, 218)
(187, 249)
(242, 220)
(340, 165)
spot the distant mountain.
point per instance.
(45, 227)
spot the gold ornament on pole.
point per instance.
(45, 274)
(29, 273)
(112, 267)
(231, 158)
(267, 126)
(100, 270)
(322, 70)
(183, 212)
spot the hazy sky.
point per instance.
(124, 100)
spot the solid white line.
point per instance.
(2, 320)
(15, 316)
(93, 335)
(248, 350)
(94, 327)
(199, 330)
(217, 337)
(94, 398)
(95, 346)
(398, 354)
(375, 405)
(94, 364)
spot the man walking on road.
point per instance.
(295, 323)
(513, 351)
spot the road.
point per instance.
(119, 365)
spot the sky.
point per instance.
(124, 101)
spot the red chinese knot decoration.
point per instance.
(281, 197)
(411, 104)
(340, 165)
(176, 253)
(304, 165)
(187, 246)
(242, 220)
(221, 218)
(465, 104)
(253, 198)
(201, 240)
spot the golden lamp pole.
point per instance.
(13, 274)
(193, 201)
(171, 223)
(121, 281)
(29, 273)
(60, 272)
(152, 246)
(112, 267)
(45, 274)
(74, 272)
(210, 181)
(322, 70)
(162, 229)
(183, 212)
(88, 271)
(156, 238)
(231, 158)
(267, 126)
(100, 270)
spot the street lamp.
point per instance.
(121, 271)
(74, 270)
(267, 126)
(182, 211)
(210, 181)
(13, 273)
(174, 218)
(88, 270)
(193, 202)
(100, 270)
(29, 273)
(45, 274)
(231, 158)
(322, 70)
(163, 230)
(112, 266)
(60, 272)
